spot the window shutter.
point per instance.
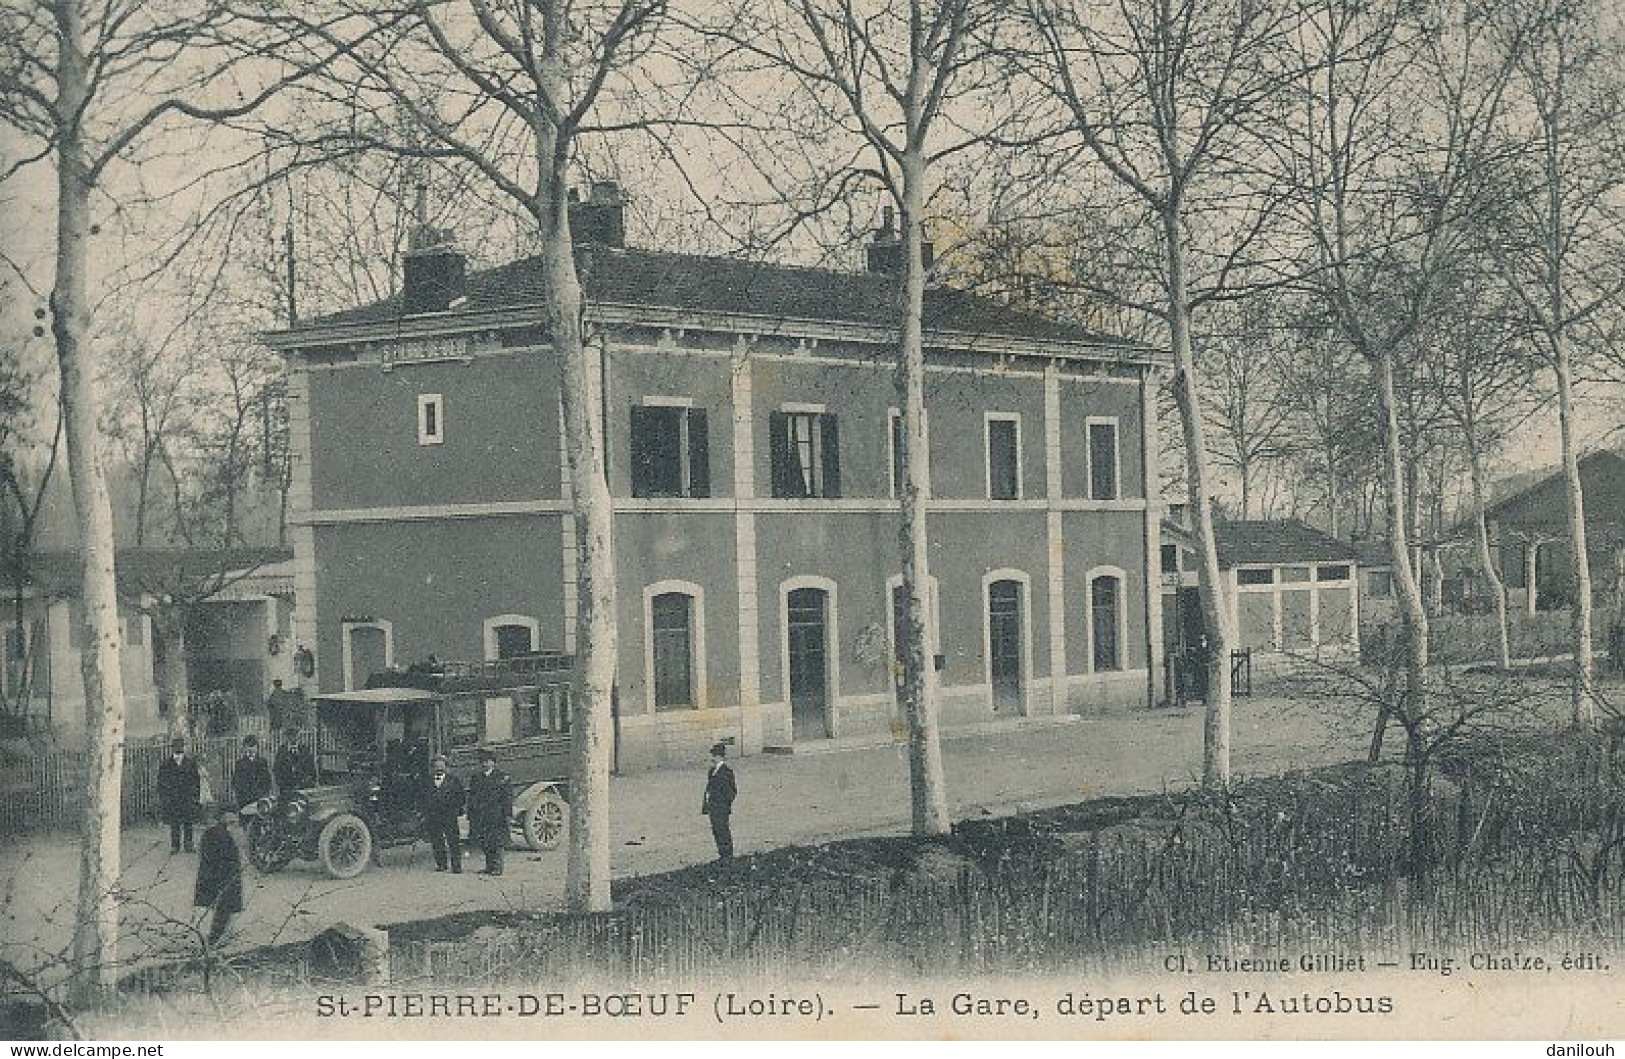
(699, 454)
(778, 443)
(831, 442)
(640, 449)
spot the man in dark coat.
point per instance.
(295, 764)
(251, 777)
(490, 810)
(718, 804)
(180, 788)
(219, 876)
(442, 805)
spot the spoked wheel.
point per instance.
(265, 852)
(345, 846)
(544, 823)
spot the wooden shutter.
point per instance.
(699, 454)
(831, 442)
(778, 444)
(640, 448)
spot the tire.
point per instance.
(544, 823)
(345, 846)
(265, 849)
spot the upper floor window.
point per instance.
(1255, 576)
(431, 419)
(897, 447)
(1170, 558)
(1103, 470)
(671, 453)
(806, 453)
(1003, 456)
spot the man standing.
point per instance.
(251, 777)
(219, 876)
(283, 708)
(295, 764)
(442, 805)
(179, 790)
(490, 811)
(718, 803)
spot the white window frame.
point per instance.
(988, 419)
(490, 626)
(1089, 423)
(346, 656)
(437, 436)
(684, 455)
(1027, 675)
(1089, 579)
(696, 594)
(832, 635)
(812, 414)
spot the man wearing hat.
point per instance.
(442, 805)
(180, 789)
(219, 886)
(251, 776)
(718, 803)
(490, 811)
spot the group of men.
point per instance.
(181, 805)
(487, 801)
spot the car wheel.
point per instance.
(265, 852)
(345, 846)
(544, 822)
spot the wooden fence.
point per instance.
(58, 778)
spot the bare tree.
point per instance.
(84, 83)
(1244, 397)
(508, 89)
(1554, 225)
(1165, 96)
(890, 77)
(1483, 371)
(1385, 157)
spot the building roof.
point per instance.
(153, 569)
(1542, 507)
(732, 286)
(1278, 541)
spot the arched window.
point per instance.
(1106, 605)
(674, 616)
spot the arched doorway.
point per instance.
(1005, 648)
(807, 633)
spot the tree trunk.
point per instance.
(1486, 558)
(1583, 709)
(1531, 571)
(586, 887)
(1215, 608)
(1412, 611)
(919, 686)
(95, 940)
(174, 682)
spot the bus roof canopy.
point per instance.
(377, 696)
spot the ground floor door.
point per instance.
(1190, 648)
(807, 627)
(1004, 643)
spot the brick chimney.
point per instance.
(600, 218)
(885, 251)
(436, 272)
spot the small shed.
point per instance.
(1292, 588)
